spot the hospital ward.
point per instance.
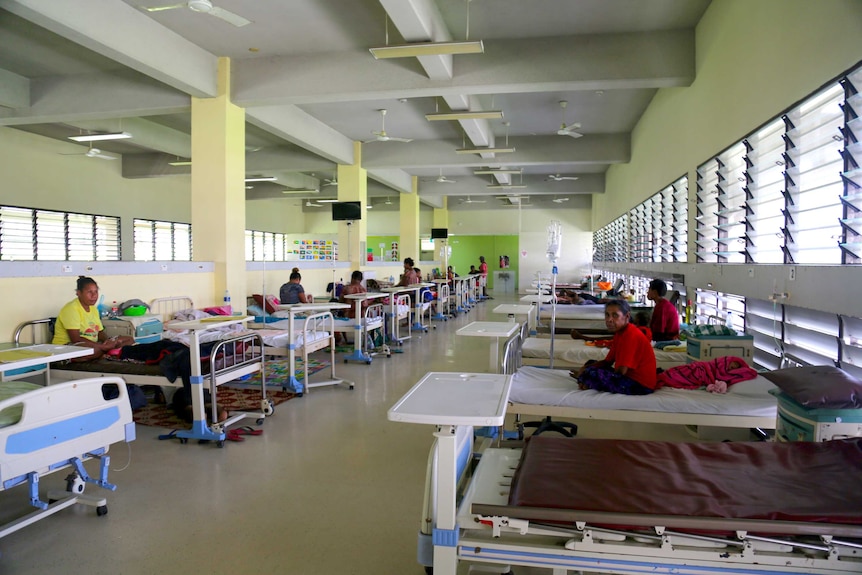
(449, 287)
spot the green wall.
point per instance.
(467, 249)
(373, 242)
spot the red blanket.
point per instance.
(700, 374)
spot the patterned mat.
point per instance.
(277, 372)
(232, 399)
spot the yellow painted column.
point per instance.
(218, 189)
(353, 187)
(409, 220)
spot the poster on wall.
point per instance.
(313, 250)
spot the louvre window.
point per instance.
(264, 246)
(851, 221)
(765, 194)
(27, 235)
(811, 335)
(764, 321)
(162, 241)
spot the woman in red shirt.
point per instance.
(630, 367)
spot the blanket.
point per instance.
(715, 375)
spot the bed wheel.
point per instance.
(102, 510)
(368, 362)
(259, 421)
(220, 443)
(345, 361)
(429, 570)
(74, 484)
(267, 407)
(183, 440)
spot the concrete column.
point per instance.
(409, 219)
(353, 187)
(218, 188)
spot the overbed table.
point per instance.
(14, 357)
(513, 309)
(358, 319)
(496, 330)
(449, 400)
(293, 309)
(393, 313)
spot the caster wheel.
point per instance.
(259, 421)
(220, 444)
(429, 571)
(183, 440)
(368, 362)
(74, 484)
(267, 407)
(345, 361)
(51, 501)
(102, 510)
(388, 355)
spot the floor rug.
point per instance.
(232, 399)
(277, 372)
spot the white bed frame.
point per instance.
(466, 518)
(61, 427)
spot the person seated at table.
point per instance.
(409, 277)
(354, 287)
(79, 323)
(292, 291)
(665, 320)
(629, 367)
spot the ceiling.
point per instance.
(310, 87)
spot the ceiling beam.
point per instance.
(126, 35)
(94, 97)
(304, 130)
(584, 62)
(529, 151)
(398, 180)
(421, 21)
(145, 134)
(536, 186)
(14, 90)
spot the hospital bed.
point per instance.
(59, 427)
(364, 325)
(574, 353)
(236, 356)
(678, 508)
(305, 335)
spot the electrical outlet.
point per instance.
(751, 272)
(164, 267)
(67, 269)
(792, 273)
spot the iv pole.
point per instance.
(555, 233)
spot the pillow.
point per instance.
(271, 302)
(819, 386)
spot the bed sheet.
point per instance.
(578, 352)
(281, 338)
(540, 386)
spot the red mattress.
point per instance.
(812, 482)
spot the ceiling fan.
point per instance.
(469, 201)
(382, 136)
(310, 204)
(570, 129)
(204, 7)
(388, 202)
(93, 153)
(559, 178)
(560, 200)
(441, 179)
(328, 182)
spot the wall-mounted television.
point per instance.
(439, 233)
(342, 211)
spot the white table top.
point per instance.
(455, 399)
(40, 354)
(537, 298)
(489, 329)
(322, 306)
(440, 280)
(364, 296)
(209, 322)
(397, 289)
(514, 309)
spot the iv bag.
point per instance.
(555, 240)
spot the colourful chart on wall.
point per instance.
(314, 250)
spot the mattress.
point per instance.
(581, 312)
(577, 352)
(281, 338)
(540, 386)
(347, 324)
(737, 480)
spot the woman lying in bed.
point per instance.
(79, 323)
(630, 366)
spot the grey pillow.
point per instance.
(818, 386)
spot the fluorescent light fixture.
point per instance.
(301, 192)
(427, 49)
(484, 150)
(101, 137)
(327, 201)
(491, 172)
(262, 179)
(506, 186)
(180, 163)
(466, 115)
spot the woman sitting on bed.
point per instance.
(630, 367)
(292, 292)
(79, 323)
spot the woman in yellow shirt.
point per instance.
(79, 322)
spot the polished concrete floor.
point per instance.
(330, 487)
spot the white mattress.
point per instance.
(281, 338)
(540, 386)
(566, 311)
(577, 352)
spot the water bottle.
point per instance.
(115, 309)
(729, 319)
(226, 299)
